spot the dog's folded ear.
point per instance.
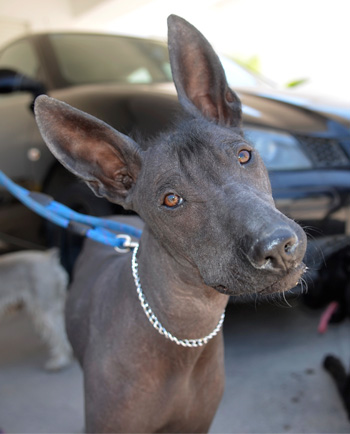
(107, 160)
(199, 76)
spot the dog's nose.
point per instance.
(279, 251)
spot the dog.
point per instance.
(331, 288)
(36, 280)
(146, 326)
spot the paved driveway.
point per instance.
(275, 382)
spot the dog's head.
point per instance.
(201, 188)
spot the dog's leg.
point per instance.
(50, 326)
(336, 369)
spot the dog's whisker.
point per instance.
(285, 299)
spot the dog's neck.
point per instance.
(184, 305)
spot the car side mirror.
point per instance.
(12, 81)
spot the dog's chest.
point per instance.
(158, 391)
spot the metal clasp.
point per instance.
(127, 245)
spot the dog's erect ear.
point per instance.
(108, 161)
(199, 76)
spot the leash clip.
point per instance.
(127, 245)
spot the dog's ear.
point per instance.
(199, 76)
(108, 161)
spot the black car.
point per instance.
(127, 83)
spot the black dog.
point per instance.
(332, 288)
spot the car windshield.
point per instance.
(88, 58)
(105, 58)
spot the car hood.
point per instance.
(286, 110)
(265, 107)
(295, 113)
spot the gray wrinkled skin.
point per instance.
(224, 237)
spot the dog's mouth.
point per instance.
(289, 281)
(283, 284)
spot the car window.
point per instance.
(20, 57)
(105, 58)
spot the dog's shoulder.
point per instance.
(96, 257)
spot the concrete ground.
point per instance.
(275, 382)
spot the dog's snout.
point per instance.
(278, 251)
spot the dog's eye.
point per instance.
(244, 156)
(171, 200)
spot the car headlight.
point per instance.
(280, 151)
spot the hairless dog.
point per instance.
(146, 326)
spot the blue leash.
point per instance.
(98, 229)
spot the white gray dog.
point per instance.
(37, 279)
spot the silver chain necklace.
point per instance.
(154, 320)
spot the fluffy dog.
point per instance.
(38, 281)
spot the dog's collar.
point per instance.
(192, 343)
